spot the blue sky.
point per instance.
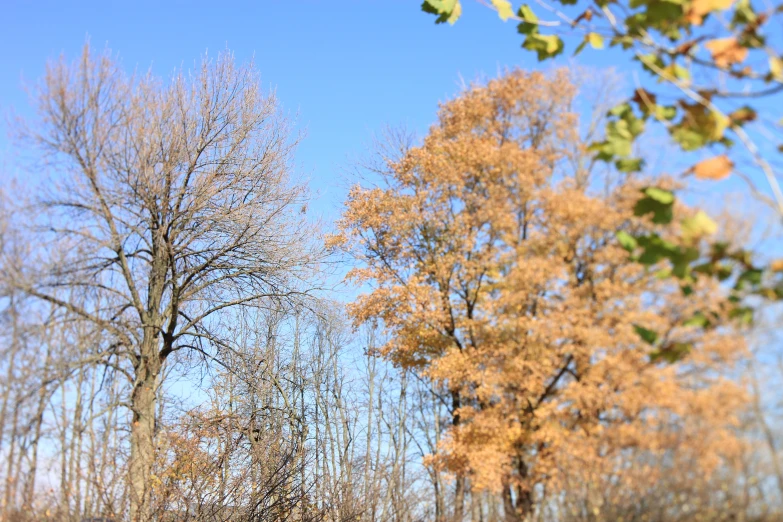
(344, 68)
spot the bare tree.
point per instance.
(173, 204)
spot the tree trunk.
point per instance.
(459, 488)
(524, 500)
(143, 428)
(9, 498)
(517, 501)
(459, 499)
(509, 509)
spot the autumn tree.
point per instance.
(712, 72)
(171, 207)
(501, 280)
(718, 66)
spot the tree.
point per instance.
(501, 279)
(723, 58)
(720, 77)
(172, 207)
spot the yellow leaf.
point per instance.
(455, 14)
(777, 265)
(721, 123)
(715, 168)
(596, 40)
(699, 225)
(504, 9)
(776, 67)
(726, 51)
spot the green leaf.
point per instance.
(608, 149)
(671, 353)
(529, 24)
(742, 314)
(743, 14)
(724, 272)
(618, 130)
(446, 10)
(665, 112)
(740, 256)
(625, 41)
(547, 46)
(611, 147)
(698, 319)
(629, 164)
(660, 195)
(689, 139)
(651, 62)
(681, 262)
(647, 336)
(660, 14)
(751, 276)
(698, 226)
(619, 134)
(656, 249)
(580, 47)
(635, 125)
(677, 72)
(620, 110)
(699, 126)
(662, 213)
(504, 9)
(627, 241)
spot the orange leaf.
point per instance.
(777, 265)
(701, 8)
(714, 168)
(726, 51)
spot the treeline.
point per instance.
(172, 348)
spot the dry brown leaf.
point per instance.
(715, 168)
(726, 51)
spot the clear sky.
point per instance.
(344, 68)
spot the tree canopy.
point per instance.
(500, 280)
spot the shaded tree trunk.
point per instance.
(517, 500)
(459, 486)
(143, 402)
